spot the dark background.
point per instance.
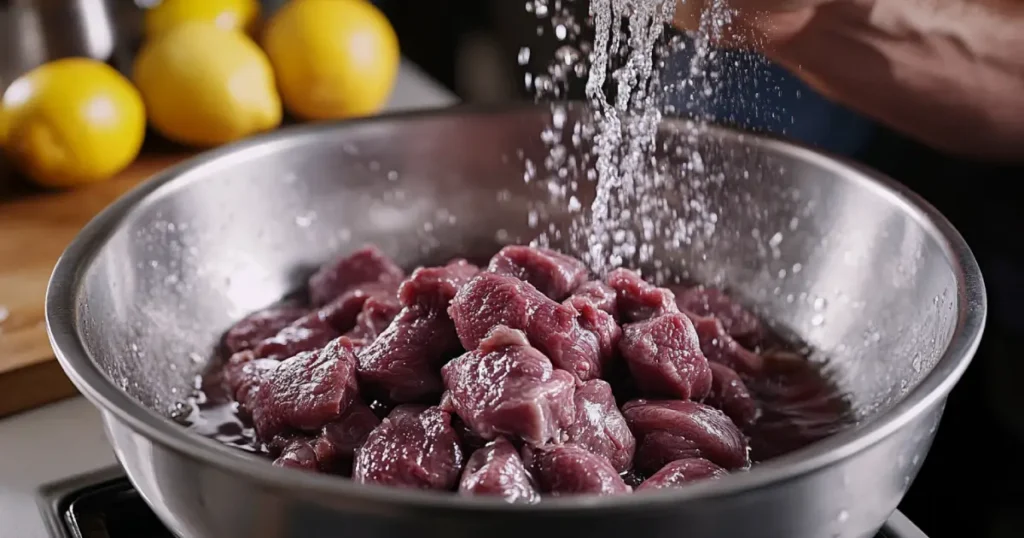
(471, 46)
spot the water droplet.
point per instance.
(305, 220)
(567, 55)
(817, 320)
(540, 8)
(558, 117)
(180, 412)
(542, 84)
(843, 516)
(524, 56)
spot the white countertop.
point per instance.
(66, 439)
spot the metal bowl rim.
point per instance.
(96, 386)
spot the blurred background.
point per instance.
(469, 46)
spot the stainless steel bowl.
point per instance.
(853, 263)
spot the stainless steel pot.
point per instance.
(850, 261)
(33, 32)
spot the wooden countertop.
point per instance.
(35, 227)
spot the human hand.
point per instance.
(778, 16)
(947, 72)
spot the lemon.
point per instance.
(72, 122)
(204, 86)
(334, 59)
(227, 14)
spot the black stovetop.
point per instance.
(111, 508)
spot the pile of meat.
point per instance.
(521, 379)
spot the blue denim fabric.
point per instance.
(752, 93)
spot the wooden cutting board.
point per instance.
(35, 227)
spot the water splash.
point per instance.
(642, 201)
(626, 127)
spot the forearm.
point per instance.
(953, 77)
(948, 72)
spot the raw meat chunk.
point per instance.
(339, 440)
(276, 446)
(404, 362)
(414, 447)
(719, 347)
(682, 472)
(603, 327)
(435, 287)
(506, 387)
(540, 357)
(552, 273)
(234, 374)
(491, 299)
(730, 394)
(664, 356)
(330, 451)
(669, 430)
(341, 313)
(298, 453)
(497, 470)
(739, 322)
(377, 314)
(597, 293)
(368, 264)
(600, 427)
(571, 470)
(259, 326)
(243, 377)
(638, 300)
(305, 334)
(306, 391)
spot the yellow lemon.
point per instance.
(204, 86)
(227, 14)
(333, 58)
(72, 122)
